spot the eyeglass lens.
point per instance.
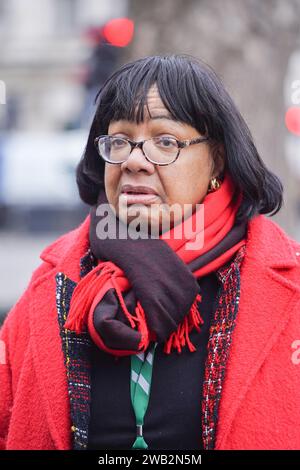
(158, 149)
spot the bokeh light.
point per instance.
(292, 120)
(119, 31)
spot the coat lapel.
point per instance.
(269, 271)
(77, 355)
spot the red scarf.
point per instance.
(175, 306)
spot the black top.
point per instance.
(173, 417)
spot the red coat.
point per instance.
(260, 401)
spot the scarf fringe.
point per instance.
(180, 338)
(86, 290)
(84, 294)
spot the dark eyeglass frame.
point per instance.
(181, 144)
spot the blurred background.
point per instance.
(54, 55)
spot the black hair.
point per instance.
(193, 94)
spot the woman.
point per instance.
(168, 318)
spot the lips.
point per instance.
(130, 189)
(138, 194)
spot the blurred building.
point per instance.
(49, 66)
(42, 56)
(292, 118)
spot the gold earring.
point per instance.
(215, 184)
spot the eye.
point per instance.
(166, 142)
(118, 142)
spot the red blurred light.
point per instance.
(292, 120)
(119, 31)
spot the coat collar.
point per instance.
(68, 249)
(268, 252)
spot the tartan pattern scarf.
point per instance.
(145, 290)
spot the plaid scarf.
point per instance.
(145, 290)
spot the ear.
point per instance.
(218, 155)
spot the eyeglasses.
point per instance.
(158, 150)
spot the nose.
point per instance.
(137, 162)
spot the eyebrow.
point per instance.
(154, 118)
(164, 116)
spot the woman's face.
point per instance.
(184, 182)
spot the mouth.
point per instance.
(138, 194)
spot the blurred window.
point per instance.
(3, 15)
(66, 15)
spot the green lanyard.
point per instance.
(140, 386)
